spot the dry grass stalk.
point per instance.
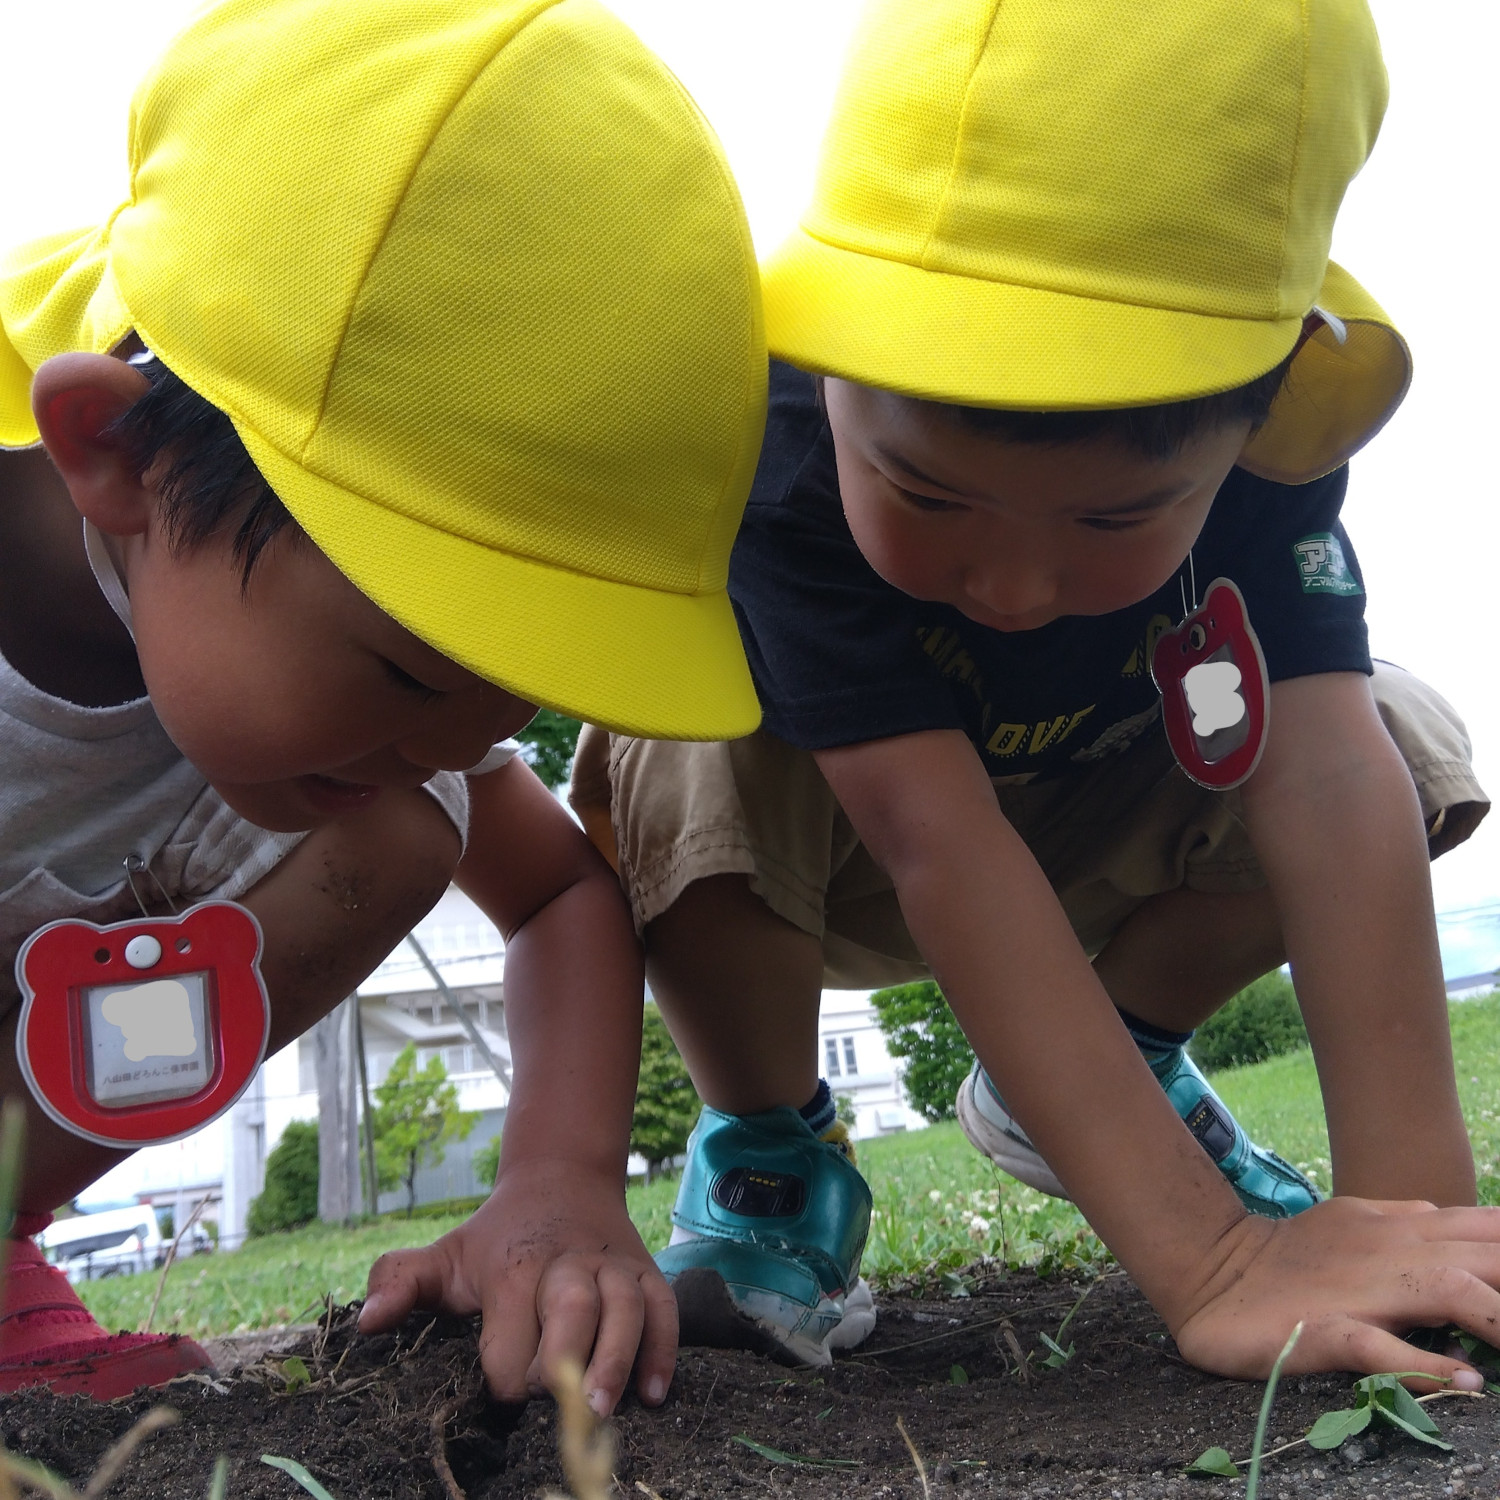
(325, 1327)
(42, 1481)
(119, 1452)
(34, 1477)
(12, 1134)
(916, 1457)
(166, 1265)
(39, 1480)
(585, 1444)
(1023, 1368)
(12, 1138)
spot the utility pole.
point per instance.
(338, 1120)
(367, 1120)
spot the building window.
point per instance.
(831, 1057)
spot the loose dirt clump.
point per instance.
(383, 1418)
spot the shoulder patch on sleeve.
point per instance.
(1321, 566)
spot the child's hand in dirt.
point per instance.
(1357, 1274)
(559, 1272)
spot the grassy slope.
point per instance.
(1278, 1100)
(937, 1204)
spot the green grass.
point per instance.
(939, 1205)
(1278, 1101)
(279, 1278)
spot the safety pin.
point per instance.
(135, 865)
(1193, 575)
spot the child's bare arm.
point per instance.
(1335, 822)
(990, 927)
(1230, 1286)
(552, 1259)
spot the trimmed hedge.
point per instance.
(290, 1196)
(1260, 1022)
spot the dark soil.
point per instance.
(1119, 1420)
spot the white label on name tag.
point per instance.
(149, 1041)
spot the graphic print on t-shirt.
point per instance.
(841, 657)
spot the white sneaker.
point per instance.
(858, 1322)
(991, 1130)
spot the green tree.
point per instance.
(1263, 1020)
(550, 740)
(290, 1196)
(920, 1029)
(487, 1162)
(666, 1103)
(415, 1115)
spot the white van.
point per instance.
(113, 1242)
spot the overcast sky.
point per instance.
(1417, 229)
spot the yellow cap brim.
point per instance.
(1339, 392)
(971, 342)
(638, 661)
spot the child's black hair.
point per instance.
(207, 481)
(1155, 432)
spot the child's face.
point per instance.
(1016, 535)
(297, 698)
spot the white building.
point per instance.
(853, 1058)
(399, 1004)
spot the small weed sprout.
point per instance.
(1377, 1398)
(298, 1473)
(1217, 1461)
(1057, 1356)
(1252, 1481)
(780, 1456)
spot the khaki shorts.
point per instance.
(1108, 837)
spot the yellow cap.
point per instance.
(475, 286)
(1072, 204)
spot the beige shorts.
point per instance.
(1108, 837)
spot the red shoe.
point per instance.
(49, 1338)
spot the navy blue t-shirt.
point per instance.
(840, 657)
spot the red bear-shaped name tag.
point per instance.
(142, 1032)
(1215, 695)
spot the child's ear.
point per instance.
(75, 398)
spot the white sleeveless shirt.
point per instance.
(83, 788)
